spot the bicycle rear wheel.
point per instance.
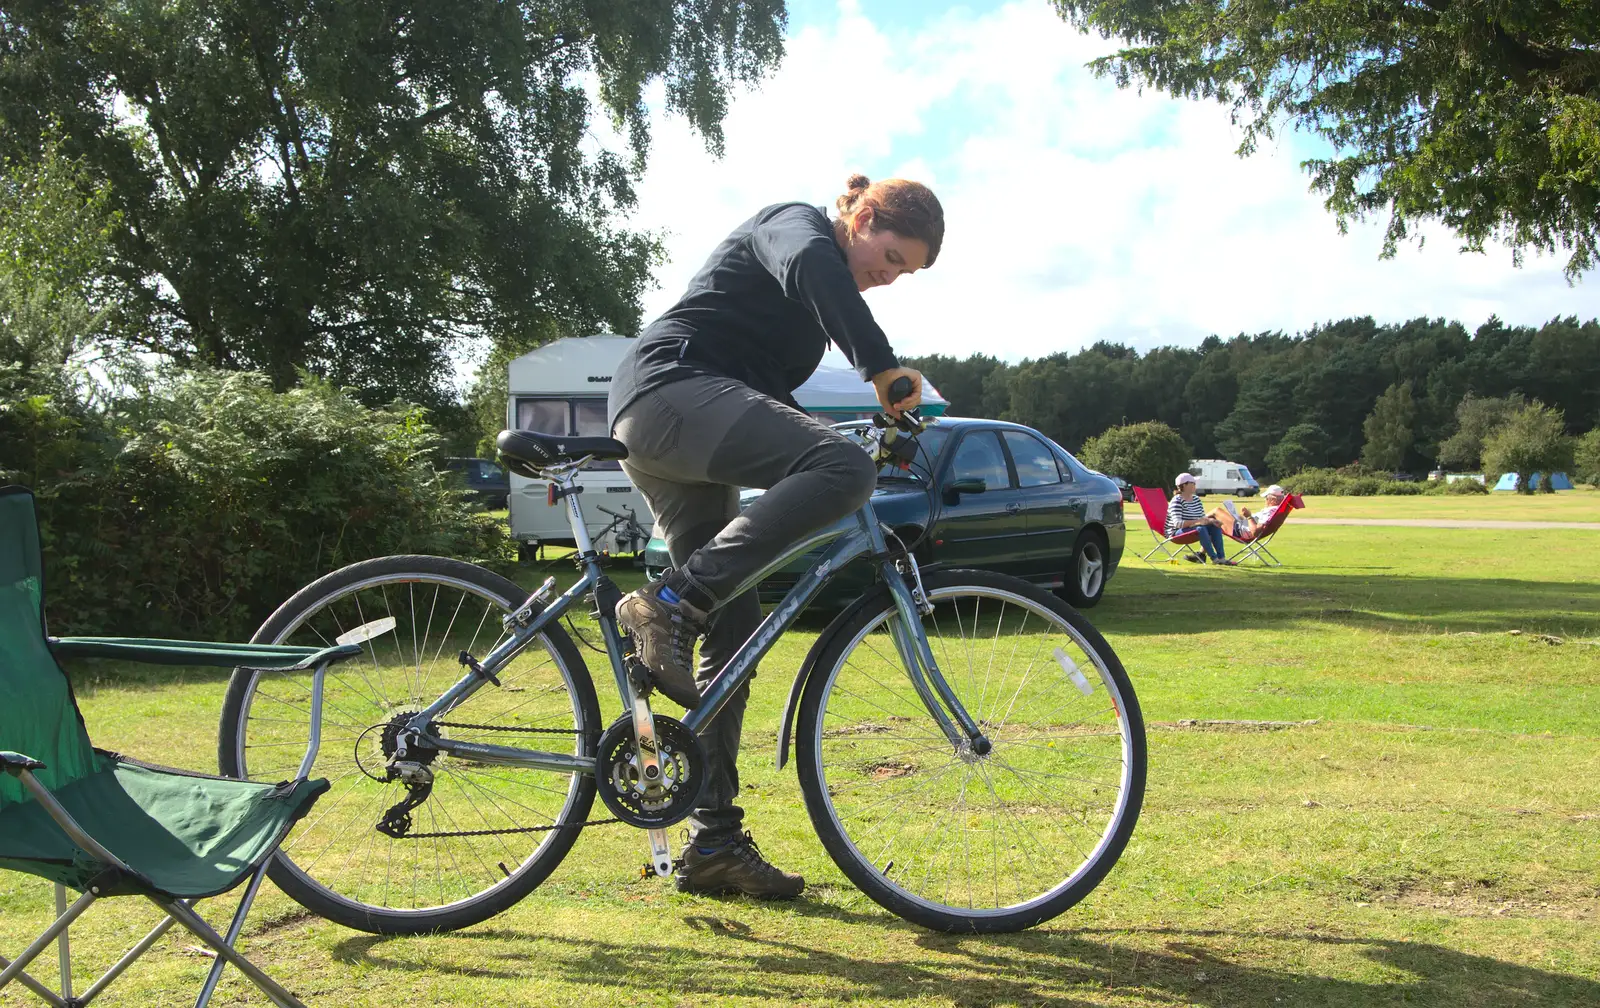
(484, 837)
(954, 840)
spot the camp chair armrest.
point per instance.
(181, 652)
(15, 763)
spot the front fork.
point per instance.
(940, 700)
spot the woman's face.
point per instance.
(877, 256)
(1186, 490)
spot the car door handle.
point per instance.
(1013, 508)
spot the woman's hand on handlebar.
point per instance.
(897, 400)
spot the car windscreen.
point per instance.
(929, 444)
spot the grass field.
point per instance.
(1567, 505)
(1422, 827)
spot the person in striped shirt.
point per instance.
(1186, 512)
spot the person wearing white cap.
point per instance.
(1186, 512)
(1249, 524)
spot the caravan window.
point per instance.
(568, 417)
(547, 416)
(589, 418)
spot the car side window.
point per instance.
(978, 456)
(1036, 466)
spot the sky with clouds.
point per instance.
(1075, 212)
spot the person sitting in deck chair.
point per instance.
(1244, 525)
(1186, 512)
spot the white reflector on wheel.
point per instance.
(1070, 667)
(367, 631)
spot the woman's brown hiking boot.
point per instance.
(663, 634)
(735, 868)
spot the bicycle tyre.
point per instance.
(361, 696)
(859, 736)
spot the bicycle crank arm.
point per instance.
(660, 853)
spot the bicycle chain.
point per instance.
(514, 829)
(505, 728)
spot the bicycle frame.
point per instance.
(854, 536)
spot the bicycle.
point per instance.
(628, 533)
(964, 791)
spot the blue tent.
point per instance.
(1508, 481)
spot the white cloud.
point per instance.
(1075, 211)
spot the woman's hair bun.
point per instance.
(854, 187)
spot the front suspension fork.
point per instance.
(926, 678)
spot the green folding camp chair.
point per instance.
(106, 825)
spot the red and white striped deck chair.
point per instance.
(1153, 503)
(1255, 547)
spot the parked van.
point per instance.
(1219, 476)
(561, 388)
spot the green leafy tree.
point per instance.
(1260, 416)
(1145, 454)
(1476, 418)
(1481, 114)
(1586, 457)
(1304, 446)
(960, 381)
(353, 189)
(54, 297)
(1533, 439)
(1388, 429)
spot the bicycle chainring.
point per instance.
(623, 788)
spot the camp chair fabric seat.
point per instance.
(187, 835)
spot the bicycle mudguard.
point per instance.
(791, 707)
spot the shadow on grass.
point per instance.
(1160, 966)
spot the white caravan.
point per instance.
(1219, 476)
(561, 388)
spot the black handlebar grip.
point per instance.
(899, 389)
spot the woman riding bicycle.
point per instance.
(703, 403)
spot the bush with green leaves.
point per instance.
(1586, 458)
(1460, 488)
(1315, 482)
(1398, 488)
(196, 508)
(1145, 454)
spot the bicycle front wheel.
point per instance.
(484, 836)
(939, 834)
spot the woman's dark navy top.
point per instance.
(761, 311)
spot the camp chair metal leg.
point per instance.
(128, 959)
(43, 941)
(200, 929)
(64, 947)
(46, 995)
(232, 936)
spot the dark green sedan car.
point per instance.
(988, 494)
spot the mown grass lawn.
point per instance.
(1424, 828)
(1580, 505)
